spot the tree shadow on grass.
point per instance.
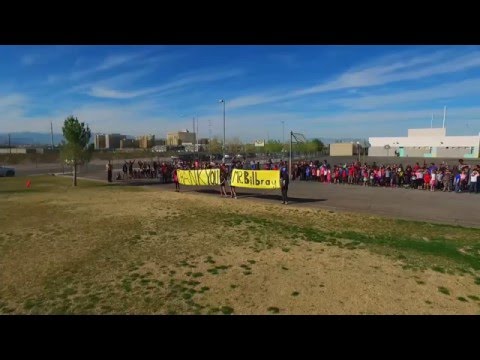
(275, 195)
(138, 182)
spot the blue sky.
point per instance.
(321, 91)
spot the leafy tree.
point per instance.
(273, 146)
(215, 146)
(234, 146)
(319, 145)
(76, 150)
(89, 153)
(251, 149)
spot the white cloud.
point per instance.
(111, 94)
(148, 117)
(108, 63)
(28, 60)
(250, 100)
(440, 91)
(12, 101)
(379, 73)
(188, 80)
(383, 123)
(389, 73)
(140, 60)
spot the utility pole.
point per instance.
(224, 147)
(194, 134)
(444, 116)
(51, 132)
(197, 144)
(290, 160)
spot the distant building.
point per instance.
(189, 147)
(159, 148)
(180, 138)
(21, 150)
(128, 144)
(428, 143)
(160, 142)
(344, 149)
(146, 141)
(100, 141)
(203, 141)
(112, 141)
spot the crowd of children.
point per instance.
(431, 177)
(442, 177)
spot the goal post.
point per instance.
(298, 138)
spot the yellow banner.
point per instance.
(199, 177)
(256, 179)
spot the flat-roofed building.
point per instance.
(146, 141)
(112, 141)
(180, 137)
(128, 144)
(428, 143)
(344, 149)
(100, 141)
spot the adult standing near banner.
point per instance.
(109, 171)
(284, 179)
(233, 193)
(223, 180)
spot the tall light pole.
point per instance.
(223, 101)
(291, 156)
(197, 145)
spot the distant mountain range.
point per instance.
(30, 138)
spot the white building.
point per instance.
(428, 143)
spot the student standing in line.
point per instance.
(473, 181)
(109, 171)
(284, 179)
(175, 180)
(447, 180)
(130, 168)
(125, 170)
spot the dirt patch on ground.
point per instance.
(318, 279)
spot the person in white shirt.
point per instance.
(474, 181)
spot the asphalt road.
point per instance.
(447, 208)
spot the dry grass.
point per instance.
(132, 250)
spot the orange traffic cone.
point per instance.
(29, 184)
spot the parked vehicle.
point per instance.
(6, 171)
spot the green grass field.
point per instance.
(99, 249)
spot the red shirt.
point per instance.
(427, 177)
